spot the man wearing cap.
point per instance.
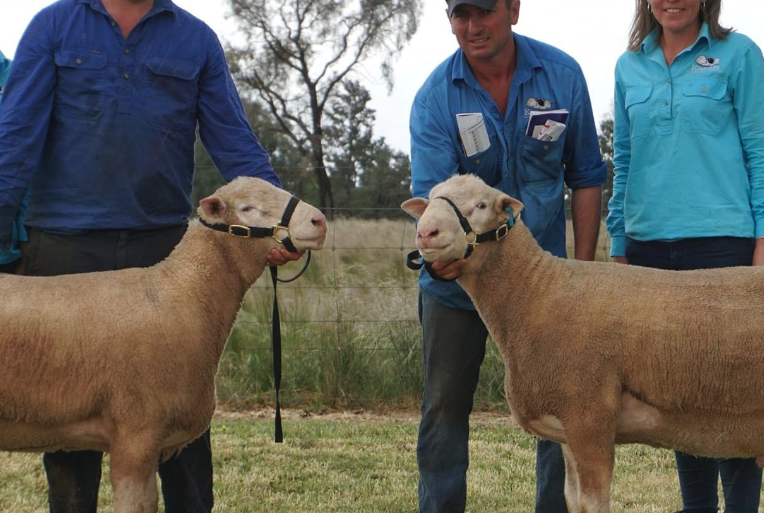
(501, 77)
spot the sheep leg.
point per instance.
(133, 477)
(589, 463)
(571, 480)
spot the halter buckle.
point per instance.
(474, 242)
(238, 230)
(501, 232)
(278, 228)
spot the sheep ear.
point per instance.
(213, 206)
(415, 207)
(504, 202)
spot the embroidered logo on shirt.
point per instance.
(707, 62)
(538, 103)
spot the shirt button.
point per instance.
(703, 89)
(78, 61)
(127, 50)
(666, 103)
(127, 77)
(668, 81)
(113, 23)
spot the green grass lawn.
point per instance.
(348, 462)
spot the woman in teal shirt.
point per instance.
(688, 191)
(9, 260)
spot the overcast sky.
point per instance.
(594, 32)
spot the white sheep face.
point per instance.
(440, 237)
(254, 202)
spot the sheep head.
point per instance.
(254, 202)
(440, 237)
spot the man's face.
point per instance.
(482, 34)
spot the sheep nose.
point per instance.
(427, 233)
(319, 221)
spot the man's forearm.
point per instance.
(587, 207)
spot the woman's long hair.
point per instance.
(644, 22)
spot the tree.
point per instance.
(299, 51)
(349, 135)
(386, 180)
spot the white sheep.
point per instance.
(598, 354)
(125, 361)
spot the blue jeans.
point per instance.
(454, 344)
(698, 476)
(74, 477)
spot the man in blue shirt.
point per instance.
(10, 258)
(99, 118)
(501, 76)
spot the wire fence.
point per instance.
(350, 327)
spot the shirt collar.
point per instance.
(159, 6)
(526, 61)
(650, 43)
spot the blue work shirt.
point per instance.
(531, 170)
(688, 142)
(104, 127)
(19, 233)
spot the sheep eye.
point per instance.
(246, 209)
(481, 205)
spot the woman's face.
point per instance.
(678, 17)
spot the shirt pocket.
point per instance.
(81, 79)
(541, 161)
(638, 108)
(172, 89)
(702, 110)
(487, 164)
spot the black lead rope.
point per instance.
(276, 349)
(258, 232)
(415, 261)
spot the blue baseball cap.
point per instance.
(483, 4)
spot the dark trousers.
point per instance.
(74, 477)
(454, 344)
(9, 268)
(698, 476)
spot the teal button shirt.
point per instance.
(689, 142)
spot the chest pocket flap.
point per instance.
(176, 68)
(82, 59)
(712, 88)
(637, 94)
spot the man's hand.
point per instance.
(280, 256)
(449, 270)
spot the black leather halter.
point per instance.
(248, 232)
(477, 239)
